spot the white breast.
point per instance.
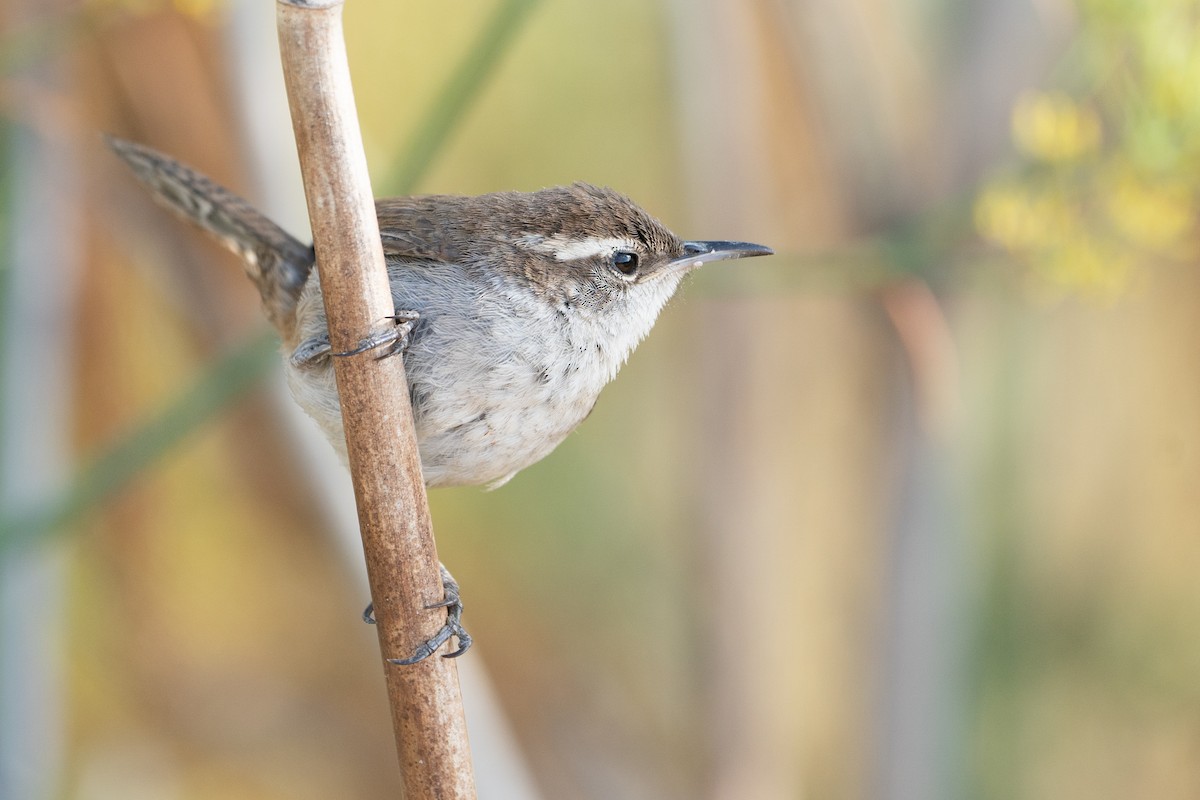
(497, 376)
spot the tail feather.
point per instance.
(277, 262)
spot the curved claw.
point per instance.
(464, 643)
(453, 627)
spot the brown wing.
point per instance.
(418, 228)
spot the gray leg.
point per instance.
(453, 627)
(396, 338)
(311, 351)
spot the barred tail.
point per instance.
(276, 261)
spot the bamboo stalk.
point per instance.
(402, 563)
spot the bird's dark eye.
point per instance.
(625, 261)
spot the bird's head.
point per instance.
(585, 247)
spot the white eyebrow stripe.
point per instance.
(565, 249)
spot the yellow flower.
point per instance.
(1089, 268)
(1050, 126)
(1021, 221)
(1155, 216)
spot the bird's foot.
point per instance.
(311, 351)
(453, 627)
(396, 337)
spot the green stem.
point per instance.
(223, 382)
(460, 91)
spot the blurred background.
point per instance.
(910, 510)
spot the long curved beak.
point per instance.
(697, 253)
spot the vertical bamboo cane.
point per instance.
(402, 563)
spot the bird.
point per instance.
(513, 311)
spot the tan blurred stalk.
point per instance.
(789, 481)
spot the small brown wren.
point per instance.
(515, 309)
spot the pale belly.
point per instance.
(498, 378)
(478, 420)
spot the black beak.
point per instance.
(697, 253)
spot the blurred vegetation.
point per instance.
(1075, 674)
(1109, 154)
(1079, 443)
